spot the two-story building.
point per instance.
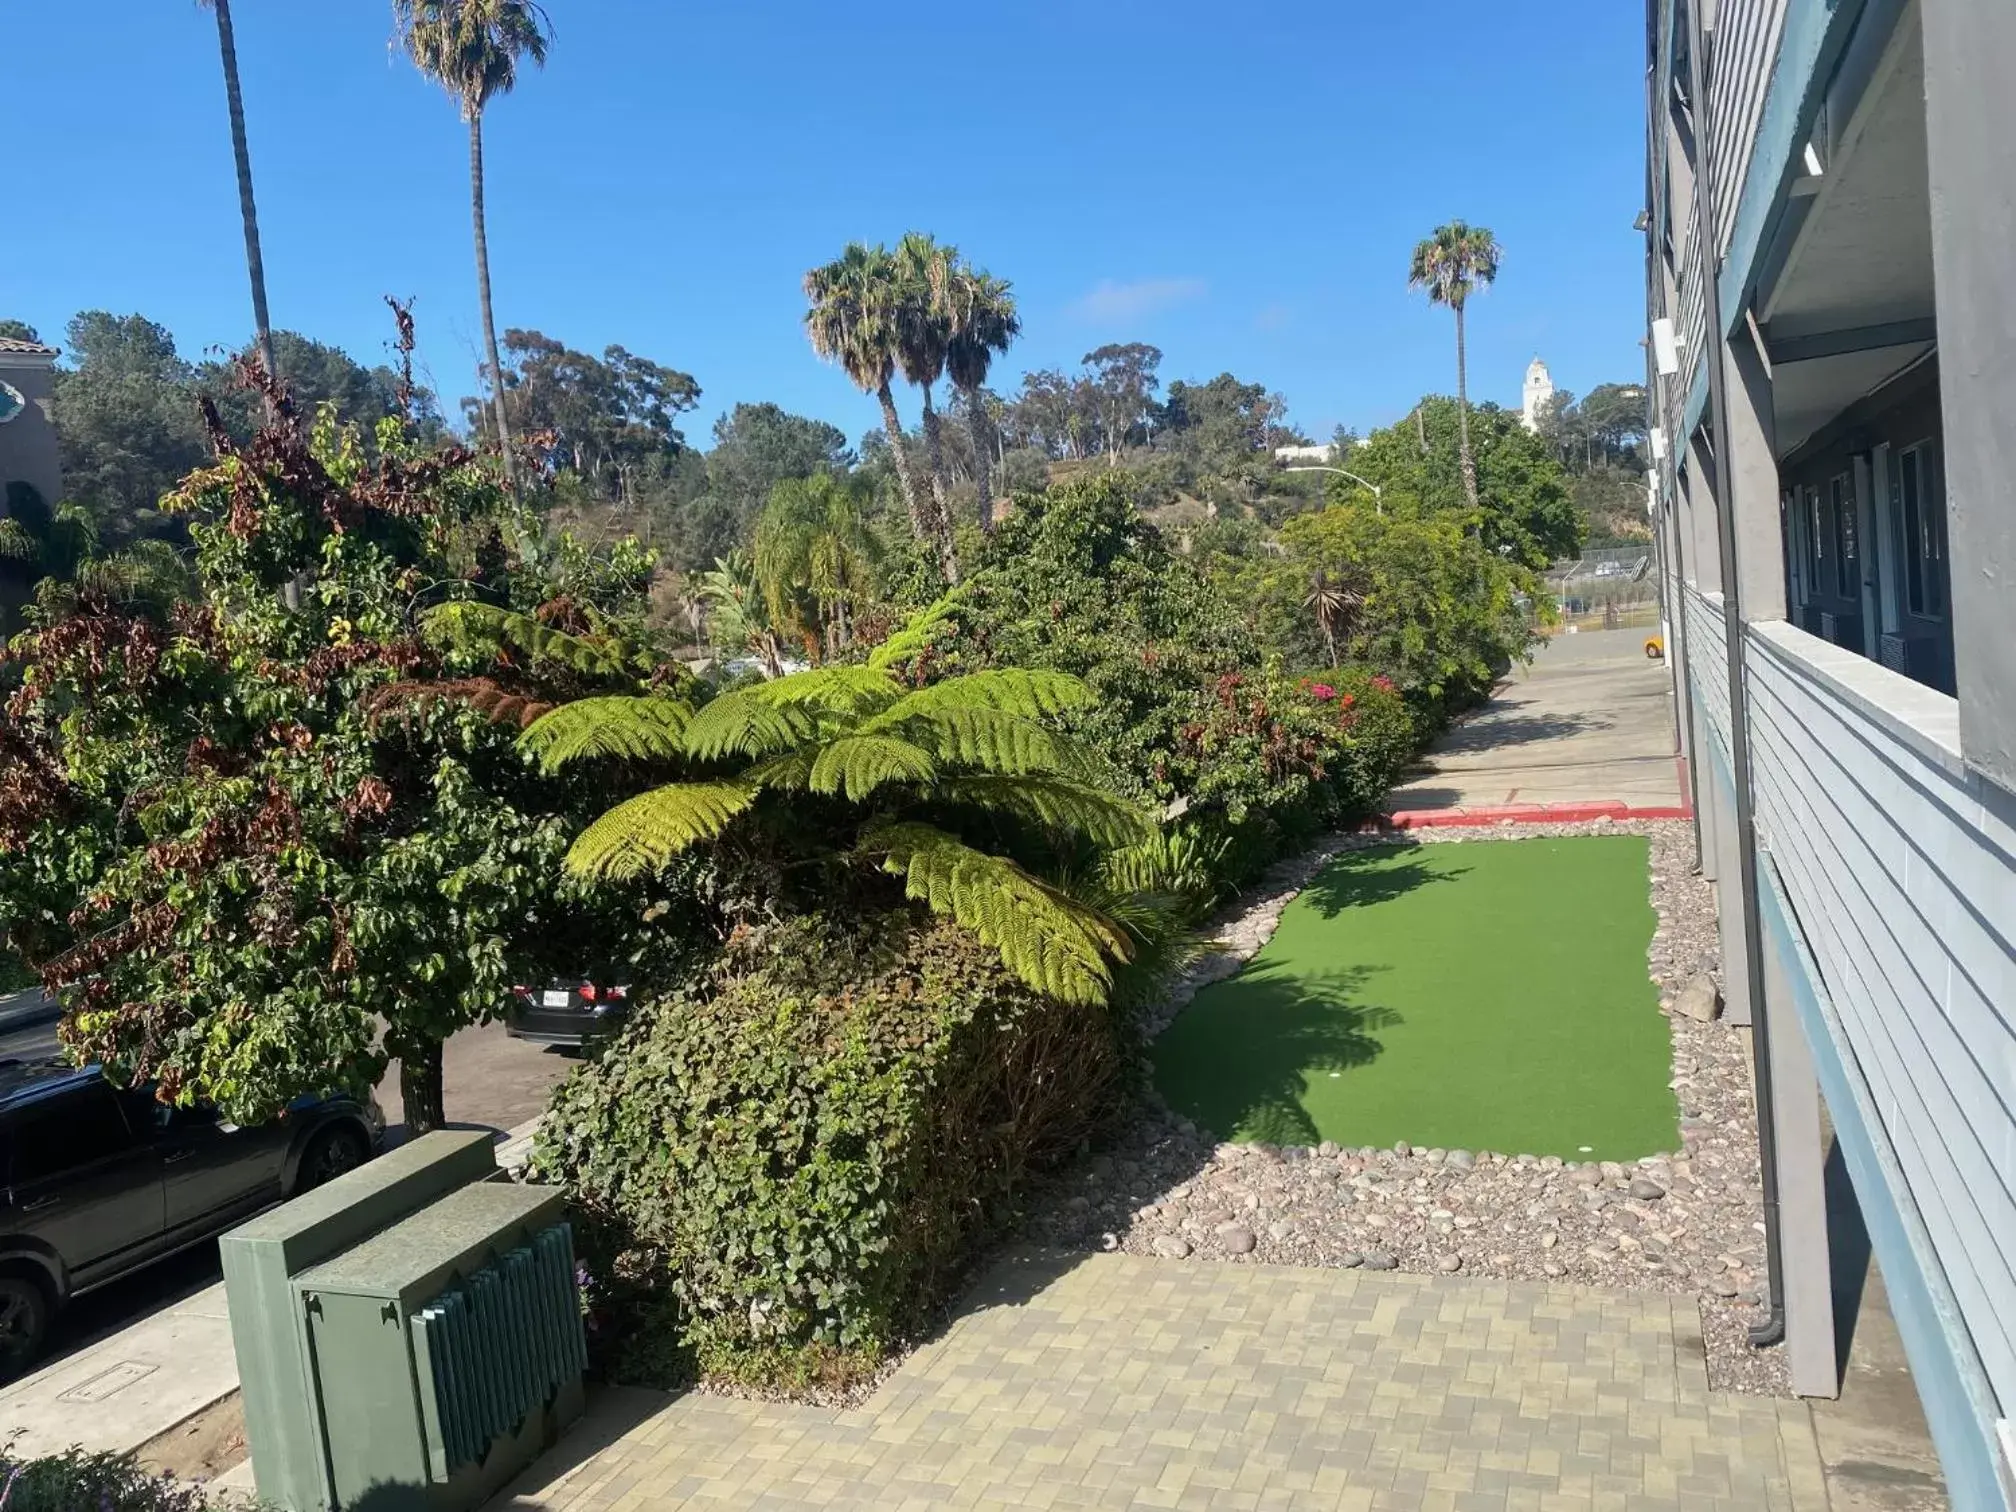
(1831, 289)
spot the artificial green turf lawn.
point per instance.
(1489, 995)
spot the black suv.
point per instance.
(96, 1182)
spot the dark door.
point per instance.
(82, 1181)
(212, 1168)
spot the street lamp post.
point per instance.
(1378, 494)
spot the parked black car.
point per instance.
(96, 1183)
(566, 1014)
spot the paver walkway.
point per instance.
(1590, 721)
(1118, 1381)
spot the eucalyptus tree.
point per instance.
(472, 49)
(1457, 260)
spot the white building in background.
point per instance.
(1538, 392)
(1307, 454)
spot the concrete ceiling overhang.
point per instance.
(1851, 305)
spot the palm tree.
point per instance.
(854, 321)
(738, 618)
(1334, 601)
(1455, 260)
(924, 333)
(62, 558)
(906, 772)
(248, 211)
(983, 322)
(813, 543)
(471, 48)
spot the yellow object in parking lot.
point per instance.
(1655, 647)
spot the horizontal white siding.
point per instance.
(1708, 665)
(1903, 883)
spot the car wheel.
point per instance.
(334, 1152)
(25, 1314)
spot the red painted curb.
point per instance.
(1523, 813)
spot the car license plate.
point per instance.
(554, 999)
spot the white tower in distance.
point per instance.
(1539, 389)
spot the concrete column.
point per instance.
(1704, 547)
(1970, 128)
(1810, 1339)
(1729, 901)
(1753, 477)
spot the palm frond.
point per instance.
(857, 765)
(1054, 802)
(644, 833)
(1052, 942)
(18, 543)
(636, 729)
(1013, 690)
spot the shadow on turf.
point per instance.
(1361, 878)
(1283, 1027)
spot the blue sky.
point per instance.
(1239, 185)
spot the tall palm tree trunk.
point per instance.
(483, 294)
(892, 425)
(941, 508)
(1463, 415)
(248, 210)
(983, 457)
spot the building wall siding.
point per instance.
(1743, 54)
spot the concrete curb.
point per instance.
(1524, 813)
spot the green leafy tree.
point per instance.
(1449, 266)
(242, 840)
(248, 209)
(60, 555)
(472, 49)
(842, 769)
(738, 614)
(856, 319)
(1122, 382)
(611, 419)
(816, 558)
(314, 374)
(983, 324)
(128, 421)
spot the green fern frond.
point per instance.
(915, 634)
(989, 739)
(1012, 690)
(1055, 802)
(855, 691)
(1178, 862)
(637, 729)
(859, 764)
(466, 625)
(789, 773)
(650, 829)
(742, 724)
(1055, 944)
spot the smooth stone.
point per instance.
(1462, 1160)
(1645, 1189)
(1170, 1247)
(1549, 1239)
(1554, 1271)
(1699, 1000)
(1402, 1148)
(1449, 1264)
(1280, 1232)
(1237, 1238)
(1379, 1260)
(1351, 1260)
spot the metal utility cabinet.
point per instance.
(409, 1337)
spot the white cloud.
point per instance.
(1111, 302)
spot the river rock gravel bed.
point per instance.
(1689, 1221)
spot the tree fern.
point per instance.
(988, 739)
(650, 829)
(496, 703)
(740, 724)
(1012, 690)
(636, 729)
(1055, 944)
(857, 765)
(18, 543)
(853, 691)
(915, 635)
(1054, 802)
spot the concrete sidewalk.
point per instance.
(1589, 725)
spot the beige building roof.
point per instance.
(12, 346)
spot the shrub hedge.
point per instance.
(780, 1172)
(75, 1481)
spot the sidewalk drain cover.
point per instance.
(108, 1382)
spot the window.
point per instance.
(1922, 515)
(69, 1131)
(1847, 564)
(1816, 541)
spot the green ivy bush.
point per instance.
(780, 1172)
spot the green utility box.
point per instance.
(408, 1337)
